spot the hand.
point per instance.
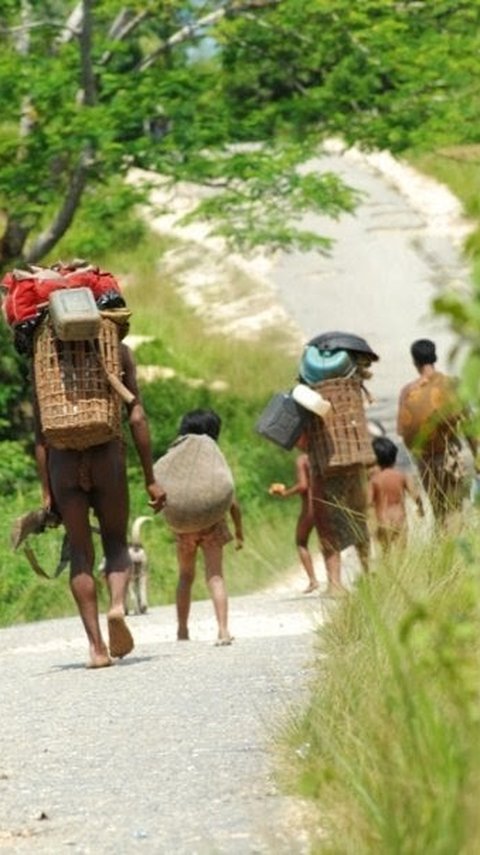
(238, 543)
(276, 489)
(158, 497)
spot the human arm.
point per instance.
(302, 483)
(41, 458)
(401, 400)
(140, 431)
(236, 516)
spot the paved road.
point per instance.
(388, 261)
(170, 750)
(167, 752)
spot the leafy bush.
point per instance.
(16, 466)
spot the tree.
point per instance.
(392, 74)
(86, 97)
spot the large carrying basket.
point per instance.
(77, 403)
(341, 438)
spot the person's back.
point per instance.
(210, 541)
(432, 422)
(388, 495)
(389, 488)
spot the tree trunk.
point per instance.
(12, 243)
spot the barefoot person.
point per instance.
(388, 489)
(73, 482)
(305, 522)
(210, 541)
(431, 421)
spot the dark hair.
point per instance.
(385, 451)
(201, 422)
(423, 352)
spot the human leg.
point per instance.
(363, 551)
(109, 498)
(213, 556)
(73, 505)
(333, 567)
(304, 528)
(186, 560)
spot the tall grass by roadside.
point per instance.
(249, 374)
(388, 748)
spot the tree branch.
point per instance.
(121, 28)
(79, 177)
(191, 29)
(47, 240)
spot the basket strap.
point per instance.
(119, 387)
(125, 394)
(369, 397)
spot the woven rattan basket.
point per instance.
(341, 438)
(78, 406)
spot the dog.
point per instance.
(136, 599)
(137, 585)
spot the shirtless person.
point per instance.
(433, 422)
(210, 541)
(388, 489)
(305, 522)
(73, 482)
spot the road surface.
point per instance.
(170, 751)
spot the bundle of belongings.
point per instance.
(327, 402)
(69, 320)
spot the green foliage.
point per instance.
(284, 74)
(14, 388)
(459, 168)
(390, 737)
(104, 216)
(265, 194)
(16, 466)
(384, 74)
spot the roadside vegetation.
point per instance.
(387, 748)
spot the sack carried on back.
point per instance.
(198, 483)
(429, 412)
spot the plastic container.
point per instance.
(74, 314)
(311, 400)
(319, 365)
(283, 420)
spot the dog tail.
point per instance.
(136, 526)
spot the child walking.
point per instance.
(388, 489)
(305, 521)
(210, 541)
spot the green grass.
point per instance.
(459, 168)
(388, 746)
(387, 750)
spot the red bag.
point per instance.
(27, 291)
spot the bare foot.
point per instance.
(311, 587)
(335, 591)
(183, 635)
(224, 640)
(120, 641)
(99, 659)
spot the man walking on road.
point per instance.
(431, 421)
